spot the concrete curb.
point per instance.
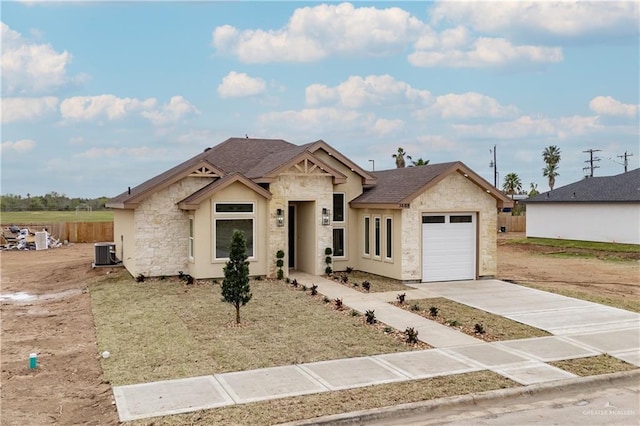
(416, 408)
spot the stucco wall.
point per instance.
(161, 230)
(455, 193)
(606, 222)
(123, 236)
(380, 265)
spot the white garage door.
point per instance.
(448, 246)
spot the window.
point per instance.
(460, 219)
(338, 207)
(389, 235)
(367, 221)
(376, 236)
(432, 219)
(338, 242)
(191, 238)
(228, 218)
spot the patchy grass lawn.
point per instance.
(593, 365)
(41, 217)
(464, 318)
(377, 283)
(575, 244)
(322, 404)
(163, 329)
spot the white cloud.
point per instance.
(18, 109)
(102, 106)
(29, 67)
(606, 105)
(373, 90)
(236, 85)
(76, 140)
(23, 145)
(140, 152)
(466, 105)
(484, 52)
(527, 126)
(314, 33)
(562, 18)
(317, 119)
(177, 108)
(383, 126)
(438, 143)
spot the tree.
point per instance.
(551, 172)
(551, 157)
(533, 190)
(419, 162)
(235, 286)
(512, 184)
(400, 163)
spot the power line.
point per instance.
(626, 160)
(591, 160)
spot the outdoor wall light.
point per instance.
(280, 217)
(325, 216)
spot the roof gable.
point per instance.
(397, 188)
(193, 201)
(303, 164)
(367, 178)
(624, 187)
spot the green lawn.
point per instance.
(575, 244)
(43, 217)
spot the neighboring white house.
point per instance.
(603, 209)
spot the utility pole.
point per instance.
(591, 160)
(494, 164)
(626, 160)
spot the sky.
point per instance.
(97, 97)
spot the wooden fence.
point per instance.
(512, 223)
(76, 232)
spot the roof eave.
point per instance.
(366, 205)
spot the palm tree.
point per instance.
(400, 158)
(551, 156)
(533, 190)
(419, 162)
(551, 172)
(512, 184)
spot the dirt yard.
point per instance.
(53, 318)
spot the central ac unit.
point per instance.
(105, 254)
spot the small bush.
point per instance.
(328, 251)
(415, 307)
(412, 335)
(478, 328)
(354, 313)
(453, 323)
(303, 287)
(433, 311)
(387, 329)
(338, 303)
(280, 254)
(279, 263)
(400, 297)
(140, 278)
(325, 299)
(294, 283)
(355, 284)
(287, 280)
(344, 278)
(314, 289)
(366, 285)
(328, 270)
(328, 260)
(190, 280)
(163, 277)
(349, 269)
(371, 316)
(280, 274)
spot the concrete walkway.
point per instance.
(523, 361)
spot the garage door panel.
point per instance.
(449, 249)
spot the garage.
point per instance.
(448, 246)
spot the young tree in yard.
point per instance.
(512, 184)
(235, 286)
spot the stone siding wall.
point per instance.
(453, 193)
(162, 230)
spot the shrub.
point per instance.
(366, 285)
(314, 289)
(328, 251)
(453, 323)
(400, 297)
(354, 313)
(235, 286)
(387, 329)
(303, 287)
(478, 328)
(328, 270)
(287, 280)
(344, 278)
(280, 274)
(338, 303)
(371, 316)
(325, 299)
(280, 264)
(140, 278)
(349, 269)
(327, 260)
(294, 283)
(415, 307)
(412, 335)
(433, 311)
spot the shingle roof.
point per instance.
(624, 187)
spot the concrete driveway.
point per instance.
(604, 328)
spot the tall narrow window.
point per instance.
(338, 242)
(367, 222)
(376, 236)
(338, 207)
(191, 238)
(389, 236)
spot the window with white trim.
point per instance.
(367, 223)
(338, 207)
(376, 236)
(191, 242)
(388, 237)
(338, 242)
(228, 218)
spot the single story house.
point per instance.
(426, 223)
(603, 209)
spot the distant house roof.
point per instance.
(396, 187)
(624, 187)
